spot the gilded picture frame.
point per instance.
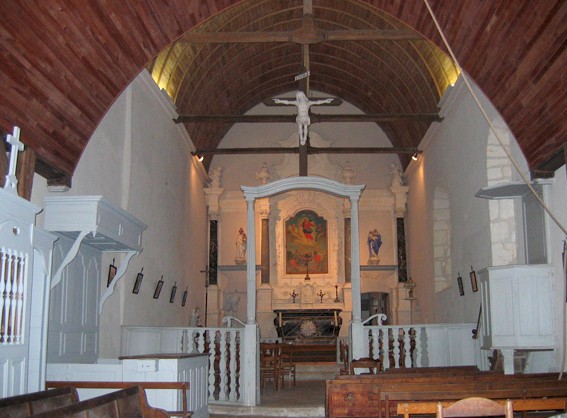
(306, 244)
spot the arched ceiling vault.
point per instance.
(63, 67)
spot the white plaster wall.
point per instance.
(139, 159)
(455, 159)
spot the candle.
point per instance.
(335, 317)
(280, 318)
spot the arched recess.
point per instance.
(442, 238)
(326, 206)
(352, 192)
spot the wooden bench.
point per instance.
(427, 373)
(36, 402)
(182, 386)
(378, 395)
(520, 405)
(125, 403)
(390, 397)
(432, 370)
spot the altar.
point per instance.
(309, 334)
(308, 326)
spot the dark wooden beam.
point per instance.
(4, 161)
(299, 38)
(548, 167)
(235, 37)
(307, 34)
(24, 172)
(303, 159)
(315, 118)
(301, 86)
(310, 150)
(372, 35)
(268, 150)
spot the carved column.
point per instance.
(400, 193)
(264, 209)
(355, 260)
(251, 261)
(347, 235)
(211, 288)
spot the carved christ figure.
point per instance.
(303, 104)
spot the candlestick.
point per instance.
(337, 293)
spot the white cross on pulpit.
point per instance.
(17, 146)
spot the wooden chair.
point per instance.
(371, 365)
(475, 407)
(287, 364)
(270, 364)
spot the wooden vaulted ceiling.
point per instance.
(406, 76)
(63, 65)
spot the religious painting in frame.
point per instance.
(306, 244)
(138, 282)
(460, 284)
(158, 288)
(111, 273)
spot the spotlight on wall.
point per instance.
(414, 156)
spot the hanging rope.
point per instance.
(516, 166)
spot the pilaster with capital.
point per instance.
(212, 195)
(263, 207)
(401, 197)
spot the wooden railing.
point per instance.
(222, 345)
(396, 346)
(429, 345)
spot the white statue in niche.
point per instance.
(215, 177)
(264, 174)
(397, 179)
(348, 173)
(303, 104)
(241, 240)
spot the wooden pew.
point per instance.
(376, 396)
(183, 386)
(442, 370)
(520, 405)
(390, 397)
(125, 403)
(36, 402)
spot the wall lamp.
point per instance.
(414, 156)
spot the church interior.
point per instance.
(319, 174)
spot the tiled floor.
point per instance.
(306, 399)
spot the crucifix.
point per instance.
(17, 146)
(303, 103)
